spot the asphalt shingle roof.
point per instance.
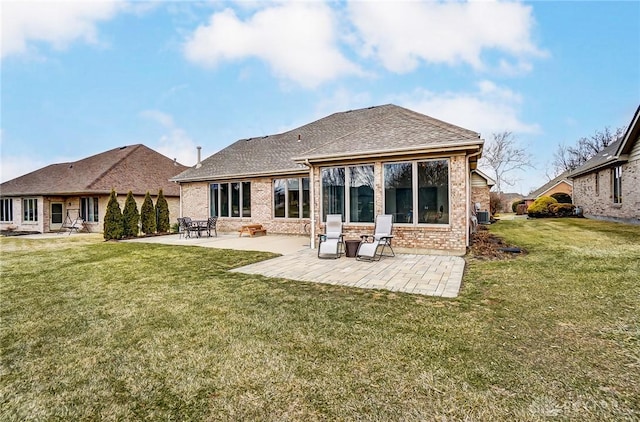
(133, 167)
(564, 177)
(375, 130)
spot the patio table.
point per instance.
(351, 248)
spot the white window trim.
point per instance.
(286, 198)
(347, 192)
(230, 198)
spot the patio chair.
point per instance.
(331, 243)
(373, 245)
(185, 227)
(211, 225)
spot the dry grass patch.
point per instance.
(128, 331)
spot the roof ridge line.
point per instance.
(127, 154)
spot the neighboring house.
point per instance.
(44, 200)
(358, 163)
(608, 185)
(481, 185)
(560, 184)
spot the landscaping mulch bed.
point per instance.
(487, 246)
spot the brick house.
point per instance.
(43, 200)
(481, 185)
(608, 185)
(358, 163)
(560, 184)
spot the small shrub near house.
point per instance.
(540, 207)
(148, 215)
(130, 217)
(514, 205)
(561, 197)
(562, 209)
(162, 213)
(113, 228)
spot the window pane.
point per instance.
(94, 208)
(332, 192)
(224, 200)
(398, 192)
(278, 197)
(617, 185)
(246, 199)
(361, 194)
(6, 212)
(433, 192)
(214, 192)
(293, 191)
(306, 203)
(235, 200)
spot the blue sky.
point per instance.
(82, 77)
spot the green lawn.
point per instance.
(94, 330)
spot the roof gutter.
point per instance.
(237, 176)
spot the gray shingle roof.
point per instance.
(380, 130)
(564, 177)
(133, 167)
(612, 153)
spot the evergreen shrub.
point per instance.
(148, 215)
(112, 228)
(130, 217)
(540, 207)
(162, 213)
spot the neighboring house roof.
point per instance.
(616, 153)
(135, 168)
(490, 181)
(562, 178)
(369, 132)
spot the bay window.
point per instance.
(230, 199)
(89, 209)
(358, 199)
(291, 198)
(30, 209)
(417, 192)
(6, 210)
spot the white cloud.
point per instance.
(402, 34)
(175, 142)
(489, 109)
(296, 39)
(58, 23)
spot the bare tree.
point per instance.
(568, 158)
(503, 155)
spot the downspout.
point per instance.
(468, 201)
(313, 207)
(180, 185)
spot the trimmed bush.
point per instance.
(162, 213)
(112, 228)
(514, 205)
(148, 215)
(130, 217)
(540, 207)
(562, 210)
(521, 209)
(561, 197)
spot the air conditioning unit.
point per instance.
(483, 217)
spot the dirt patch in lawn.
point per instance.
(487, 246)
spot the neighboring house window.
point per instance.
(355, 204)
(6, 210)
(417, 192)
(230, 199)
(617, 185)
(30, 209)
(291, 198)
(89, 209)
(597, 187)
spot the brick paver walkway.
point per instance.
(419, 274)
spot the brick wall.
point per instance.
(599, 203)
(449, 238)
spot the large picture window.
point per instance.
(355, 204)
(417, 192)
(617, 184)
(30, 209)
(230, 199)
(291, 198)
(89, 209)
(6, 210)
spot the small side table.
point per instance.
(351, 248)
